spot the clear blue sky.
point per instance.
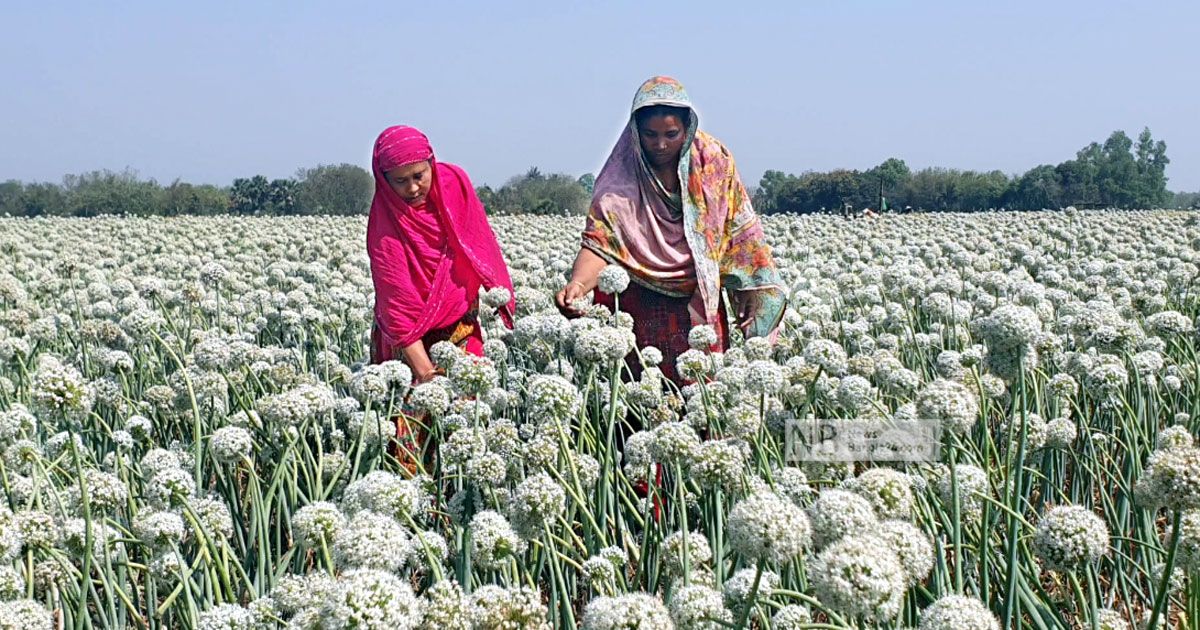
(210, 91)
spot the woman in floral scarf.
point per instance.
(670, 208)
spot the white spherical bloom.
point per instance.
(673, 443)
(598, 571)
(1171, 479)
(792, 484)
(231, 445)
(386, 493)
(950, 403)
(854, 392)
(225, 617)
(1174, 436)
(757, 348)
(912, 547)
(12, 583)
(827, 355)
(1189, 541)
(16, 422)
(473, 376)
(445, 607)
(21, 454)
(159, 529)
(1069, 536)
(767, 527)
(1109, 619)
(838, 513)
(613, 279)
(494, 606)
(603, 344)
(737, 589)
(294, 593)
(426, 549)
(1060, 433)
(971, 483)
(743, 421)
(651, 356)
(958, 612)
(487, 469)
(444, 354)
(212, 514)
(496, 350)
(889, 492)
(370, 599)
(106, 492)
(60, 388)
(1063, 385)
(493, 540)
(631, 611)
(370, 385)
(672, 550)
(140, 427)
(537, 501)
(702, 337)
(698, 607)
(497, 297)
(1010, 325)
(57, 445)
(371, 541)
(553, 397)
(1169, 323)
(860, 576)
(430, 398)
(718, 463)
(764, 377)
(24, 614)
(316, 522)
(170, 487)
(1035, 430)
(791, 617)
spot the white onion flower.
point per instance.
(1069, 536)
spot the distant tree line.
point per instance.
(342, 189)
(1118, 173)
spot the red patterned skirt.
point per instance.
(412, 445)
(661, 321)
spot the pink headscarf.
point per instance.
(413, 250)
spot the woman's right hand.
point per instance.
(569, 293)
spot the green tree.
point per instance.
(1117, 176)
(10, 198)
(42, 199)
(538, 193)
(341, 189)
(1151, 160)
(588, 181)
(250, 196)
(184, 199)
(890, 178)
(256, 195)
(770, 188)
(1038, 188)
(106, 192)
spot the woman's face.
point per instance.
(662, 139)
(411, 182)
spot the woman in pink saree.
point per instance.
(431, 250)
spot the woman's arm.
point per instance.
(583, 277)
(415, 356)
